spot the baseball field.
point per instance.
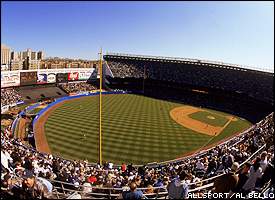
(136, 129)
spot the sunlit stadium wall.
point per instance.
(46, 76)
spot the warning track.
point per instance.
(39, 132)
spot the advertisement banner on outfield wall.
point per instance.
(51, 78)
(10, 78)
(84, 75)
(41, 78)
(28, 78)
(61, 77)
(73, 76)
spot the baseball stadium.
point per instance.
(89, 131)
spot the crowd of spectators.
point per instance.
(77, 87)
(241, 106)
(9, 96)
(35, 169)
(256, 84)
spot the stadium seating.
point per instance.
(10, 96)
(256, 84)
(35, 93)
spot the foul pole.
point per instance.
(100, 108)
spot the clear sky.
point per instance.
(233, 32)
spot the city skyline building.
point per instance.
(32, 60)
(5, 56)
(27, 59)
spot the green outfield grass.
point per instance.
(136, 129)
(219, 120)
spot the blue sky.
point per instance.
(233, 32)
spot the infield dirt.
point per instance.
(180, 115)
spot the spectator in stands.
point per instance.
(243, 176)
(149, 189)
(87, 188)
(123, 167)
(9, 96)
(33, 187)
(178, 188)
(212, 166)
(263, 162)
(267, 176)
(133, 193)
(200, 168)
(199, 165)
(6, 183)
(77, 87)
(227, 182)
(255, 172)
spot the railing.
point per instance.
(248, 159)
(6, 107)
(111, 192)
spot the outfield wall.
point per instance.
(44, 76)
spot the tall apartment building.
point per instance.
(26, 54)
(5, 57)
(16, 61)
(40, 55)
(17, 64)
(31, 60)
(26, 60)
(33, 56)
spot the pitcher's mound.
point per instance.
(210, 117)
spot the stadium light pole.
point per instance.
(144, 76)
(100, 107)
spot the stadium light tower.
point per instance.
(144, 77)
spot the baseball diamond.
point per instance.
(136, 129)
(199, 120)
(210, 118)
